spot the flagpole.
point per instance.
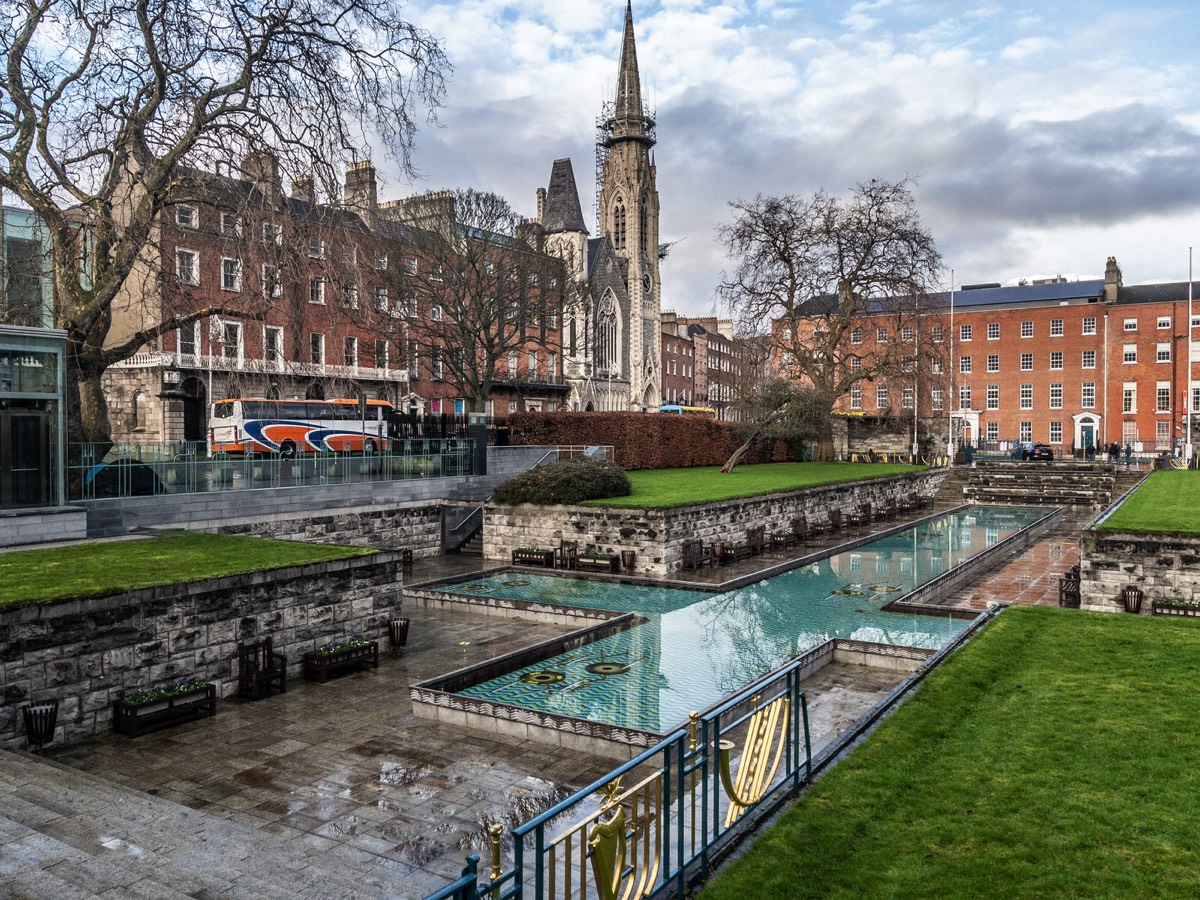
(1190, 401)
(950, 400)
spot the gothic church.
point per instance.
(611, 344)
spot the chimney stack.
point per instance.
(1112, 280)
(361, 194)
(302, 189)
(262, 167)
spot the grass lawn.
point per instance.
(1054, 756)
(1167, 501)
(89, 570)
(661, 488)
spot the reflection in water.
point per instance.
(696, 648)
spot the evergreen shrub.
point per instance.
(570, 481)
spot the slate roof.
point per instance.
(562, 211)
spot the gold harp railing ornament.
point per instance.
(766, 738)
(620, 853)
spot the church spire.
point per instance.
(629, 83)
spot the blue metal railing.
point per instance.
(680, 810)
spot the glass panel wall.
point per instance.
(32, 417)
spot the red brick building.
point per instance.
(317, 300)
(1064, 363)
(704, 364)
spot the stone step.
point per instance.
(66, 833)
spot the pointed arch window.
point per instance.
(618, 230)
(643, 227)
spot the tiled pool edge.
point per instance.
(432, 699)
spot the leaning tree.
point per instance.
(107, 104)
(811, 273)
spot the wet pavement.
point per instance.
(343, 772)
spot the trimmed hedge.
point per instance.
(644, 440)
(570, 481)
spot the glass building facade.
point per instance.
(32, 417)
(26, 286)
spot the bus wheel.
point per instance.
(370, 447)
(287, 449)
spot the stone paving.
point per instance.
(337, 789)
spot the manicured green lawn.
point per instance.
(89, 570)
(1166, 502)
(1054, 756)
(660, 488)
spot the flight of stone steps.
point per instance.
(66, 834)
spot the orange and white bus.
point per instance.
(288, 427)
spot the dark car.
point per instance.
(1039, 451)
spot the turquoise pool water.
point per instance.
(698, 647)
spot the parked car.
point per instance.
(1039, 451)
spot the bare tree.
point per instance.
(485, 291)
(108, 103)
(815, 272)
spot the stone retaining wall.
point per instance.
(1164, 566)
(415, 528)
(35, 526)
(87, 653)
(1053, 484)
(657, 535)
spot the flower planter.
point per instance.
(528, 557)
(162, 712)
(40, 721)
(1169, 608)
(320, 664)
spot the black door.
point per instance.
(25, 457)
(195, 410)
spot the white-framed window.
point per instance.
(1027, 396)
(512, 364)
(1129, 397)
(1056, 432)
(231, 274)
(964, 396)
(992, 431)
(1056, 395)
(410, 304)
(1162, 435)
(435, 272)
(489, 268)
(855, 364)
(436, 368)
(350, 351)
(1129, 354)
(552, 364)
(1164, 322)
(272, 285)
(1196, 399)
(906, 398)
(1056, 328)
(552, 319)
(881, 335)
(1130, 325)
(1162, 396)
(906, 364)
(964, 332)
(935, 399)
(189, 339)
(231, 340)
(435, 312)
(1026, 362)
(350, 254)
(187, 266)
(937, 333)
(273, 345)
(993, 362)
(1087, 395)
(316, 248)
(906, 333)
(531, 363)
(881, 396)
(1026, 429)
(1089, 359)
(993, 396)
(316, 290)
(411, 266)
(316, 348)
(856, 335)
(1089, 324)
(993, 331)
(381, 299)
(1027, 329)
(964, 365)
(1196, 321)
(381, 354)
(272, 233)
(381, 261)
(856, 397)
(350, 295)
(231, 224)
(413, 353)
(936, 366)
(1162, 352)
(1056, 359)
(187, 216)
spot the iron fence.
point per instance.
(146, 469)
(682, 803)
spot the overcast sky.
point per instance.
(1045, 136)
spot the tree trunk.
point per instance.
(87, 407)
(825, 441)
(737, 455)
